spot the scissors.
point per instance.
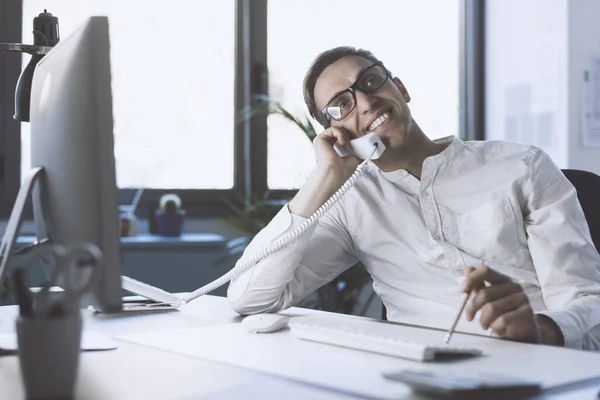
(76, 269)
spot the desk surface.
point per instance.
(135, 371)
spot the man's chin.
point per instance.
(394, 142)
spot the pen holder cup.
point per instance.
(49, 355)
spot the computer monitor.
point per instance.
(72, 139)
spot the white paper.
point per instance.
(590, 104)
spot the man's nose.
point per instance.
(365, 102)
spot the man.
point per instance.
(431, 222)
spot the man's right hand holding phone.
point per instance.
(331, 173)
(328, 158)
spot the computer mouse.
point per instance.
(265, 323)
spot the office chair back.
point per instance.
(587, 185)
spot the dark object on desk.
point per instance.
(128, 222)
(22, 293)
(128, 218)
(465, 387)
(170, 225)
(49, 328)
(49, 355)
(587, 185)
(169, 218)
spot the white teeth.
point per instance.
(379, 121)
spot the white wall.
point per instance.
(584, 40)
(526, 74)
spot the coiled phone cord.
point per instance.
(243, 265)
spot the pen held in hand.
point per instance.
(453, 327)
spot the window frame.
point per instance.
(472, 70)
(10, 129)
(250, 136)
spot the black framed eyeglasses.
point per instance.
(342, 104)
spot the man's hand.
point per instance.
(506, 309)
(331, 173)
(328, 158)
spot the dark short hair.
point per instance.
(324, 60)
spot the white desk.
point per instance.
(135, 371)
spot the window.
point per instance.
(183, 71)
(417, 40)
(173, 88)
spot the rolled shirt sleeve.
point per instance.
(565, 259)
(309, 261)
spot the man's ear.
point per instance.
(402, 89)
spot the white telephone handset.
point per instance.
(368, 147)
(362, 147)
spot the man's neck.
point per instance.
(413, 152)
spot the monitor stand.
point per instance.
(37, 176)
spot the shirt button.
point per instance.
(426, 194)
(436, 236)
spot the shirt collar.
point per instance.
(453, 148)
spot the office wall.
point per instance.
(526, 74)
(584, 40)
(536, 54)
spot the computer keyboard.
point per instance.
(150, 292)
(333, 331)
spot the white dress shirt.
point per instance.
(500, 204)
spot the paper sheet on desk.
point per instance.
(357, 372)
(90, 341)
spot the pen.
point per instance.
(451, 331)
(22, 293)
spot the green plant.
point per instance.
(250, 217)
(339, 295)
(263, 105)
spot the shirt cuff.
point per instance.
(568, 326)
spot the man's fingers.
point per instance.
(499, 309)
(517, 325)
(324, 141)
(481, 275)
(504, 306)
(468, 272)
(490, 294)
(334, 135)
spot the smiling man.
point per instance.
(431, 220)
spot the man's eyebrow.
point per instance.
(355, 79)
(363, 70)
(358, 75)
